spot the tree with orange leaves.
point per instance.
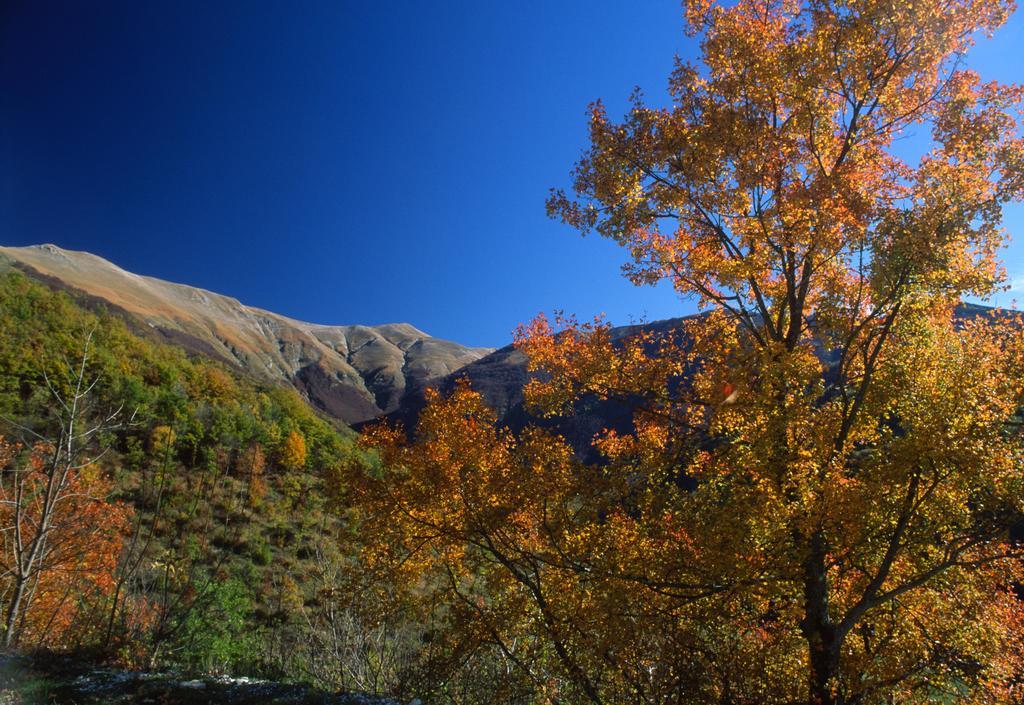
(60, 536)
(815, 500)
(59, 576)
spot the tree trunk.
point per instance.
(11, 618)
(823, 639)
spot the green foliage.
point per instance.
(217, 636)
(208, 406)
(260, 552)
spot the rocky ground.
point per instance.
(24, 682)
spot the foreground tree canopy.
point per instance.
(815, 501)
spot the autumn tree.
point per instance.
(60, 535)
(470, 518)
(293, 451)
(814, 502)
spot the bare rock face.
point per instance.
(351, 372)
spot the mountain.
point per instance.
(351, 372)
(354, 373)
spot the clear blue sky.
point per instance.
(339, 162)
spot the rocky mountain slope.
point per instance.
(352, 372)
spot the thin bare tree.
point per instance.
(37, 496)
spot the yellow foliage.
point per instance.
(814, 502)
(293, 451)
(161, 440)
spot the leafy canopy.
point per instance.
(814, 502)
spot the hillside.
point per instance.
(351, 372)
(216, 495)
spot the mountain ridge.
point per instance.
(352, 372)
(355, 373)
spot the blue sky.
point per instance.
(340, 162)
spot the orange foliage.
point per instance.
(73, 571)
(814, 502)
